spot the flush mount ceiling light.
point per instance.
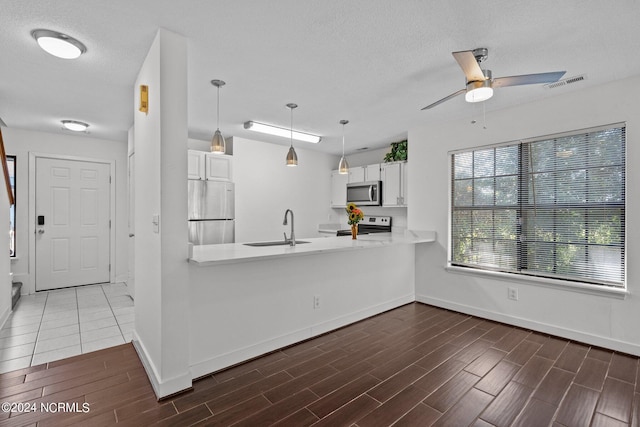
(292, 157)
(58, 44)
(343, 166)
(74, 125)
(218, 145)
(278, 131)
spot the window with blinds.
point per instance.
(551, 207)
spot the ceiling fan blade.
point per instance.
(446, 98)
(528, 79)
(469, 65)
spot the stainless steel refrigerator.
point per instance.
(211, 212)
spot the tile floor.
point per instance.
(53, 325)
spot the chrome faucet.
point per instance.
(291, 241)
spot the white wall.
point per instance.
(367, 157)
(5, 280)
(20, 143)
(266, 188)
(161, 274)
(600, 320)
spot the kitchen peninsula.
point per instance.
(246, 301)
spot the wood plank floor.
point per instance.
(416, 365)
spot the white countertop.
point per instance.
(230, 253)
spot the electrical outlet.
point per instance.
(316, 302)
(512, 294)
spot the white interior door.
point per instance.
(72, 223)
(132, 230)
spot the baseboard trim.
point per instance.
(236, 357)
(596, 340)
(162, 388)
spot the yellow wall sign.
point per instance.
(144, 99)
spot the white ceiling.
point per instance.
(375, 63)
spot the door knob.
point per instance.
(41, 231)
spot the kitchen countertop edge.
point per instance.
(236, 253)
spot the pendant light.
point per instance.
(218, 145)
(292, 157)
(343, 166)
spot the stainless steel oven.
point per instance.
(365, 193)
(370, 224)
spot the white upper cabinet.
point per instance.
(195, 164)
(364, 173)
(372, 172)
(356, 174)
(209, 166)
(339, 189)
(217, 167)
(394, 184)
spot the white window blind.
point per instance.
(552, 207)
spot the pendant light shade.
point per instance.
(343, 166)
(218, 144)
(292, 157)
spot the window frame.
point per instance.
(576, 283)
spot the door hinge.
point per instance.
(109, 179)
(109, 223)
(109, 267)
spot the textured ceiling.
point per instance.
(372, 62)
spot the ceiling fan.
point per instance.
(480, 84)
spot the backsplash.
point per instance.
(398, 215)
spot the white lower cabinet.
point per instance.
(394, 184)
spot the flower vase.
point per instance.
(354, 231)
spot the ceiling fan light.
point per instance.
(478, 91)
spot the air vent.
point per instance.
(567, 81)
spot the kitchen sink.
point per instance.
(274, 243)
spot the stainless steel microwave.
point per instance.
(365, 193)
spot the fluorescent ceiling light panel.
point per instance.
(283, 132)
